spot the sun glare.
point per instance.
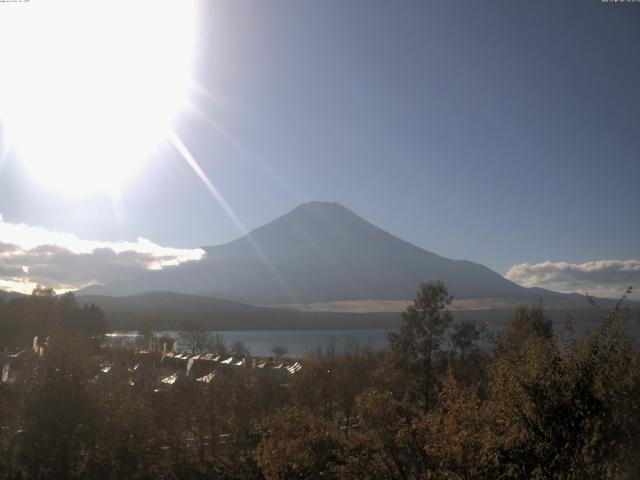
(89, 89)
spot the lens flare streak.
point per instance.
(191, 161)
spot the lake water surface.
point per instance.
(297, 342)
(300, 342)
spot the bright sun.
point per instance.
(90, 88)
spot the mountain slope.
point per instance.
(322, 252)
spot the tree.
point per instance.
(279, 350)
(464, 338)
(59, 410)
(456, 434)
(43, 292)
(239, 348)
(527, 322)
(314, 387)
(43, 311)
(390, 435)
(218, 345)
(351, 371)
(298, 444)
(194, 337)
(566, 408)
(417, 344)
(467, 360)
(148, 336)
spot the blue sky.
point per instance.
(499, 132)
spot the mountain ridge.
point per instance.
(323, 252)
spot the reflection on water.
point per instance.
(299, 342)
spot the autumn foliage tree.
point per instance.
(444, 400)
(417, 346)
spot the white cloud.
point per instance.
(31, 255)
(604, 278)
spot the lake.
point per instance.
(300, 342)
(297, 342)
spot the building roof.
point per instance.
(171, 379)
(206, 378)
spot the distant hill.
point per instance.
(170, 311)
(323, 252)
(8, 296)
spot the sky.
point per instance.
(505, 133)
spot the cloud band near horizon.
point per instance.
(603, 278)
(34, 255)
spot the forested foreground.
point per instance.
(443, 401)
